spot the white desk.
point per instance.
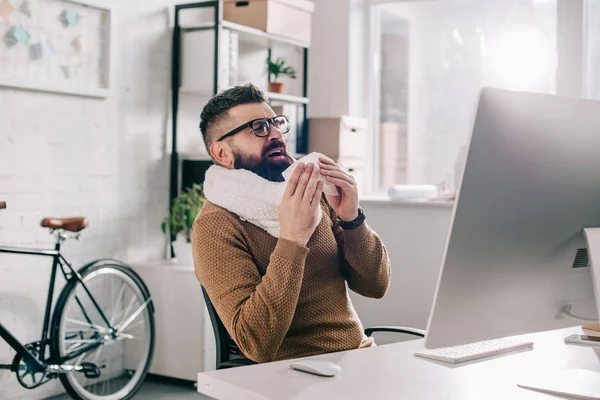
(393, 372)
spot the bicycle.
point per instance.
(100, 336)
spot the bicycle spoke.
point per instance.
(118, 305)
(131, 302)
(134, 316)
(71, 348)
(79, 360)
(72, 334)
(103, 388)
(93, 326)
(130, 327)
(82, 341)
(77, 343)
(98, 351)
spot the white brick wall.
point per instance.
(105, 159)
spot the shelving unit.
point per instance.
(198, 26)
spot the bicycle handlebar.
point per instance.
(2, 205)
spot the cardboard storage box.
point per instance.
(343, 137)
(287, 18)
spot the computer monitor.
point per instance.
(516, 259)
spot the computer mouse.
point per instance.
(317, 367)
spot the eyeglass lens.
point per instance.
(261, 127)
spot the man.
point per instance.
(273, 257)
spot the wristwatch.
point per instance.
(355, 223)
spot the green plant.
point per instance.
(277, 68)
(184, 209)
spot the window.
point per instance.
(432, 59)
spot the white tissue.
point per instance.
(312, 158)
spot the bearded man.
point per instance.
(276, 257)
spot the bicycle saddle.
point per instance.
(74, 224)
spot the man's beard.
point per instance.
(263, 166)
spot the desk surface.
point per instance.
(393, 372)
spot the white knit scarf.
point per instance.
(252, 198)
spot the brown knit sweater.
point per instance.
(279, 300)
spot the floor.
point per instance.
(161, 389)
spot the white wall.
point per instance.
(359, 61)
(328, 59)
(415, 237)
(338, 74)
(105, 159)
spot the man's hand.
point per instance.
(300, 205)
(346, 204)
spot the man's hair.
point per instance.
(217, 107)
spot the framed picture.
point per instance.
(60, 46)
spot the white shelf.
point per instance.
(286, 98)
(248, 34)
(258, 37)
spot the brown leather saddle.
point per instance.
(73, 224)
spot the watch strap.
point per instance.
(355, 223)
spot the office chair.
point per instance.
(230, 356)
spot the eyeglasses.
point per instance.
(261, 127)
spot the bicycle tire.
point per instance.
(70, 287)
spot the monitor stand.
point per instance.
(579, 383)
(592, 237)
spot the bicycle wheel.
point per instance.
(123, 358)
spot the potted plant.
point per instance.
(184, 209)
(275, 69)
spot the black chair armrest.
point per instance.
(236, 362)
(397, 329)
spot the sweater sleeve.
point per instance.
(256, 311)
(365, 262)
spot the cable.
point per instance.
(566, 310)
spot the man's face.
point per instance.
(253, 153)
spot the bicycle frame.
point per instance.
(40, 364)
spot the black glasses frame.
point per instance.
(269, 122)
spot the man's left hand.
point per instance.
(346, 204)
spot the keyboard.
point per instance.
(474, 351)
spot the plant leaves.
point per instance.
(278, 67)
(184, 209)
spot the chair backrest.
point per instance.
(226, 347)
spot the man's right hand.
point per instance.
(298, 213)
